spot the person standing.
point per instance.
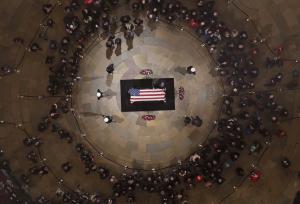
(191, 70)
(99, 94)
(197, 121)
(110, 69)
(34, 47)
(285, 162)
(107, 119)
(187, 120)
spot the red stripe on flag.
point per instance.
(143, 99)
(154, 90)
(147, 98)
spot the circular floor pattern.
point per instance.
(131, 141)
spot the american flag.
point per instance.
(141, 95)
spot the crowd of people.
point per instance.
(244, 111)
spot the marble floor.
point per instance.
(131, 141)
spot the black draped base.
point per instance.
(167, 83)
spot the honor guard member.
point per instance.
(99, 94)
(191, 70)
(107, 119)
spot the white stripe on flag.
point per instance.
(152, 94)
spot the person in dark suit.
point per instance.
(191, 70)
(99, 94)
(187, 120)
(107, 119)
(285, 162)
(197, 121)
(110, 69)
(118, 41)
